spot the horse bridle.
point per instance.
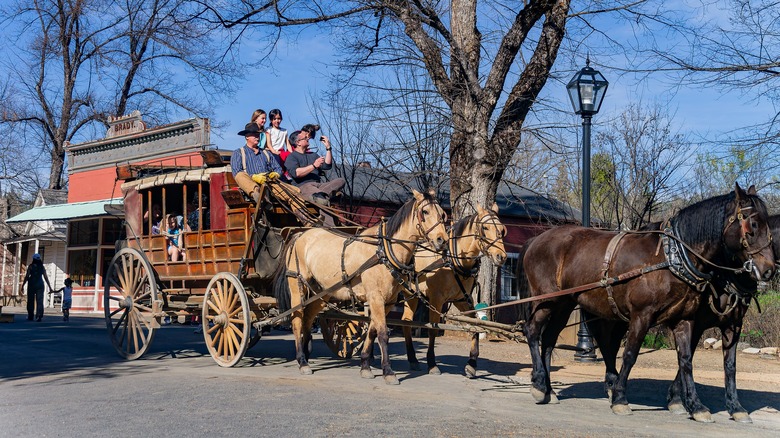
(418, 212)
(745, 228)
(482, 240)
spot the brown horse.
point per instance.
(725, 310)
(454, 278)
(359, 268)
(665, 275)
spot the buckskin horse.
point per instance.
(451, 279)
(635, 280)
(323, 265)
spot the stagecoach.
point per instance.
(226, 277)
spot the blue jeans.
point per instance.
(34, 296)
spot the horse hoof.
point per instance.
(366, 374)
(305, 370)
(391, 379)
(621, 410)
(414, 366)
(542, 398)
(741, 417)
(703, 417)
(434, 370)
(471, 372)
(553, 399)
(677, 408)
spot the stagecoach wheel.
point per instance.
(227, 321)
(129, 301)
(343, 337)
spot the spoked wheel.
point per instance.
(227, 321)
(129, 313)
(343, 337)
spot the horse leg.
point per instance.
(409, 308)
(296, 322)
(674, 401)
(309, 315)
(471, 365)
(683, 334)
(378, 319)
(730, 339)
(608, 335)
(637, 329)
(434, 318)
(537, 327)
(368, 352)
(549, 338)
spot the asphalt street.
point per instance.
(62, 379)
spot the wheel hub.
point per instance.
(126, 303)
(221, 319)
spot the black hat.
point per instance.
(250, 128)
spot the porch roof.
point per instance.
(66, 211)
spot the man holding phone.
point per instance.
(306, 168)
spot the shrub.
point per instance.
(657, 338)
(763, 329)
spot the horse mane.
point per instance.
(397, 220)
(703, 221)
(459, 227)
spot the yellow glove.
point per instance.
(273, 176)
(259, 178)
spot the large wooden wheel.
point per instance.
(130, 312)
(227, 321)
(343, 337)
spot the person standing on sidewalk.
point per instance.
(36, 274)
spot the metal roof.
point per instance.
(66, 211)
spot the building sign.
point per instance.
(128, 138)
(125, 125)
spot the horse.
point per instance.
(724, 234)
(451, 279)
(725, 310)
(332, 266)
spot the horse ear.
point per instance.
(480, 210)
(432, 193)
(494, 207)
(752, 190)
(417, 195)
(738, 191)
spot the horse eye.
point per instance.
(754, 225)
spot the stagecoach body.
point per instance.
(226, 276)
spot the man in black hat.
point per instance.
(250, 160)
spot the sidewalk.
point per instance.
(20, 313)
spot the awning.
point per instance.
(67, 211)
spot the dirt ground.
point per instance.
(753, 372)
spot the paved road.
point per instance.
(64, 379)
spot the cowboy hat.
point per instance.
(249, 129)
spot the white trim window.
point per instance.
(508, 273)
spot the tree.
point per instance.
(81, 61)
(639, 164)
(487, 62)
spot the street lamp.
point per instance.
(586, 92)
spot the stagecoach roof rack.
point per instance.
(177, 177)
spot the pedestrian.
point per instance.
(36, 274)
(67, 298)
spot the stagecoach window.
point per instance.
(82, 233)
(508, 272)
(81, 265)
(112, 230)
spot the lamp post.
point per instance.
(586, 92)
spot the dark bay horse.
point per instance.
(669, 271)
(339, 267)
(474, 236)
(725, 310)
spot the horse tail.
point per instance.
(280, 285)
(521, 284)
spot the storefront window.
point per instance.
(83, 233)
(112, 230)
(81, 266)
